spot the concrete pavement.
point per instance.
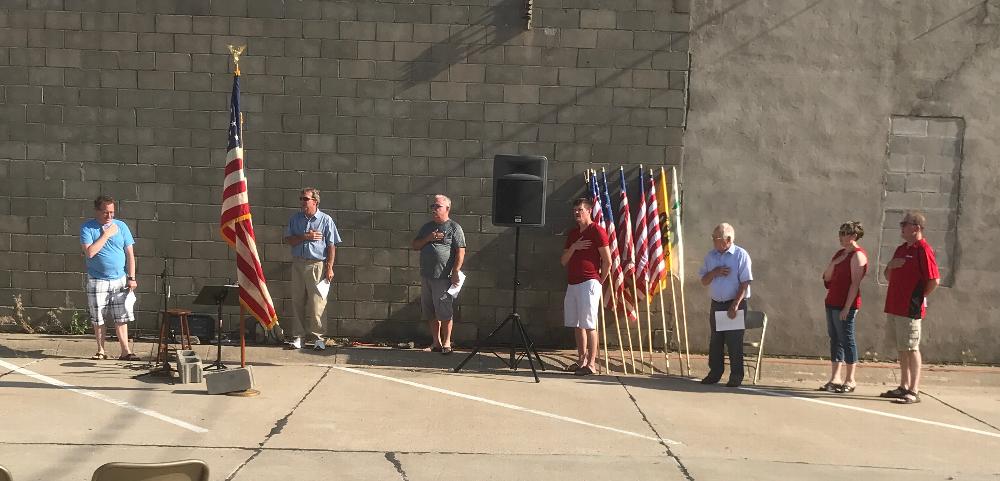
(366, 413)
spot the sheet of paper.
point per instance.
(323, 287)
(130, 302)
(454, 290)
(724, 323)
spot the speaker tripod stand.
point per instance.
(517, 331)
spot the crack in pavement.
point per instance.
(956, 408)
(24, 366)
(391, 457)
(278, 426)
(680, 464)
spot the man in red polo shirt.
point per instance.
(587, 259)
(913, 275)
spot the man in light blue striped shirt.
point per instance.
(314, 237)
(727, 274)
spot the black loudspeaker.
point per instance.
(519, 190)
(202, 326)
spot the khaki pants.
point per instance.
(307, 303)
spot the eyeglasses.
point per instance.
(304, 199)
(715, 238)
(578, 210)
(905, 223)
(436, 206)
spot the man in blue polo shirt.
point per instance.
(314, 237)
(107, 247)
(726, 272)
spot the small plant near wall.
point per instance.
(20, 316)
(79, 324)
(968, 357)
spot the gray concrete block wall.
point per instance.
(799, 119)
(377, 104)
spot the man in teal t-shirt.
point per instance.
(107, 248)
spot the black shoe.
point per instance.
(709, 380)
(734, 383)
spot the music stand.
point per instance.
(218, 296)
(517, 330)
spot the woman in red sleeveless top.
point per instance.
(842, 279)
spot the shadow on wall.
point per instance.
(493, 29)
(491, 268)
(539, 294)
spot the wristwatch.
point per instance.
(129, 278)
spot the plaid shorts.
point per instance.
(106, 300)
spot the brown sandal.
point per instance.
(129, 357)
(99, 356)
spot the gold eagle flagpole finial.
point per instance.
(236, 52)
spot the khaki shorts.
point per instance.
(907, 332)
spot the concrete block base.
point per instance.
(232, 380)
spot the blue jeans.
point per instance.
(843, 347)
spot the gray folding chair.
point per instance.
(754, 320)
(5, 475)
(188, 470)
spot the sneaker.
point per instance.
(319, 345)
(295, 343)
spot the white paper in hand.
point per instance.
(130, 304)
(724, 323)
(323, 287)
(454, 290)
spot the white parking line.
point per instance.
(505, 405)
(872, 411)
(101, 397)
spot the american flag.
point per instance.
(641, 242)
(616, 279)
(597, 215)
(625, 243)
(236, 226)
(617, 274)
(657, 265)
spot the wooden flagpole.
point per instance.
(638, 324)
(666, 340)
(628, 325)
(677, 327)
(243, 329)
(687, 350)
(638, 327)
(618, 329)
(614, 296)
(649, 336)
(243, 341)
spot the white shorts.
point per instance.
(581, 304)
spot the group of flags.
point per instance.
(640, 257)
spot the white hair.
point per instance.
(444, 198)
(727, 231)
